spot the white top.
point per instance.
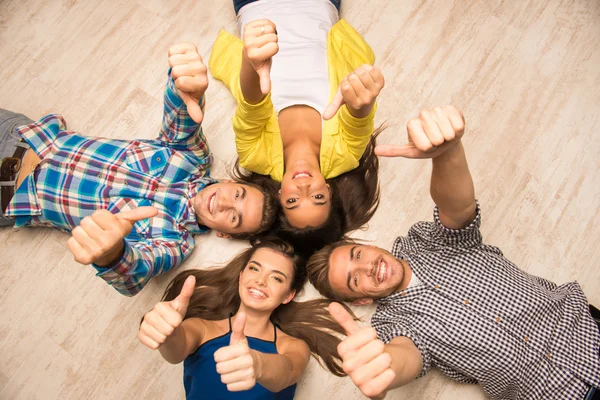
(414, 281)
(299, 74)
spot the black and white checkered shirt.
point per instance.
(480, 319)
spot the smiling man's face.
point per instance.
(230, 207)
(364, 272)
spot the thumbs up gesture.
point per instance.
(358, 91)
(364, 359)
(166, 316)
(429, 135)
(99, 238)
(260, 45)
(189, 73)
(236, 363)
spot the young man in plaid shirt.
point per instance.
(446, 299)
(131, 206)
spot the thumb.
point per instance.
(343, 318)
(405, 150)
(181, 302)
(137, 214)
(334, 106)
(193, 108)
(237, 330)
(264, 75)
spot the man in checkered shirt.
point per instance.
(131, 206)
(447, 300)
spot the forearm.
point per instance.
(275, 371)
(174, 349)
(452, 187)
(250, 82)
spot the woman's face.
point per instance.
(265, 282)
(305, 196)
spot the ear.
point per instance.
(279, 193)
(362, 302)
(223, 235)
(289, 298)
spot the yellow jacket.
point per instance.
(257, 136)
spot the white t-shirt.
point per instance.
(299, 74)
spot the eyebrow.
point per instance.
(274, 270)
(349, 273)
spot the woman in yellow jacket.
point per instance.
(306, 89)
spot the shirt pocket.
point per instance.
(141, 229)
(147, 159)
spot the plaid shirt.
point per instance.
(78, 175)
(480, 319)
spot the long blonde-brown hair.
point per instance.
(216, 296)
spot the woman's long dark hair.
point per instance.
(216, 296)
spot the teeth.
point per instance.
(257, 293)
(212, 203)
(302, 175)
(382, 271)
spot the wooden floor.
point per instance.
(525, 73)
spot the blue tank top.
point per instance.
(202, 381)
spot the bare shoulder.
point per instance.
(289, 344)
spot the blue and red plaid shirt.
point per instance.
(78, 175)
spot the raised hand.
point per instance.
(166, 316)
(364, 359)
(99, 238)
(429, 135)
(358, 91)
(189, 73)
(235, 362)
(260, 45)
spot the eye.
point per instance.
(319, 196)
(291, 201)
(358, 255)
(237, 194)
(355, 280)
(278, 279)
(233, 218)
(252, 268)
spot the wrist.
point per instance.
(257, 363)
(361, 112)
(111, 257)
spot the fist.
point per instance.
(358, 91)
(235, 363)
(190, 77)
(165, 317)
(429, 135)
(363, 355)
(260, 45)
(99, 238)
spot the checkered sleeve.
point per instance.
(177, 125)
(391, 327)
(143, 260)
(468, 236)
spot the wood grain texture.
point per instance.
(525, 74)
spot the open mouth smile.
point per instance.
(257, 294)
(301, 174)
(210, 204)
(382, 271)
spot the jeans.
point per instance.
(9, 121)
(238, 4)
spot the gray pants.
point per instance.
(9, 138)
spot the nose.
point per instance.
(224, 204)
(260, 280)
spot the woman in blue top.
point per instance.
(237, 329)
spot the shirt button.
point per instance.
(72, 168)
(158, 159)
(403, 293)
(548, 355)
(437, 286)
(526, 338)
(125, 183)
(467, 302)
(99, 175)
(497, 319)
